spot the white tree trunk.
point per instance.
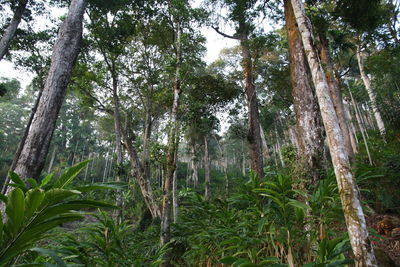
(371, 93)
(349, 194)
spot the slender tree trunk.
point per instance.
(264, 143)
(278, 148)
(53, 155)
(253, 135)
(172, 148)
(336, 94)
(353, 137)
(146, 145)
(144, 182)
(118, 140)
(207, 180)
(308, 126)
(12, 27)
(371, 93)
(349, 194)
(362, 130)
(65, 52)
(224, 165)
(175, 196)
(195, 177)
(22, 142)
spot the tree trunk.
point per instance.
(65, 52)
(146, 145)
(195, 177)
(12, 27)
(207, 180)
(175, 196)
(118, 143)
(308, 127)
(224, 165)
(22, 141)
(336, 95)
(371, 93)
(53, 155)
(264, 143)
(362, 130)
(144, 182)
(172, 150)
(253, 135)
(349, 194)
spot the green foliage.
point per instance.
(379, 182)
(261, 226)
(32, 210)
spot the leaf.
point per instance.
(47, 179)
(228, 260)
(51, 254)
(33, 199)
(100, 186)
(32, 182)
(3, 198)
(340, 262)
(17, 180)
(15, 210)
(1, 228)
(298, 204)
(57, 195)
(67, 177)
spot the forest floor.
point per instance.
(388, 235)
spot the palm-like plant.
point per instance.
(32, 210)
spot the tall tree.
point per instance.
(11, 29)
(65, 51)
(241, 13)
(308, 122)
(349, 194)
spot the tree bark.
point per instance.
(371, 93)
(253, 135)
(193, 164)
(336, 94)
(264, 143)
(308, 127)
(53, 155)
(349, 194)
(144, 182)
(224, 165)
(65, 51)
(172, 149)
(12, 27)
(118, 139)
(207, 180)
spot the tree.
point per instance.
(354, 215)
(65, 51)
(12, 27)
(308, 124)
(241, 13)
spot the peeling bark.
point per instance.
(349, 194)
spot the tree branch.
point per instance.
(224, 34)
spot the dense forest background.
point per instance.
(128, 149)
